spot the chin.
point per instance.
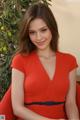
(42, 48)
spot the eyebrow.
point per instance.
(39, 28)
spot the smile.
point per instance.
(40, 43)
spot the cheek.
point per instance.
(49, 36)
(32, 38)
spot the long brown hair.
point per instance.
(37, 10)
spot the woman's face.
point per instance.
(40, 34)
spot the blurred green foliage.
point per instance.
(11, 12)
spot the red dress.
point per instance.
(41, 94)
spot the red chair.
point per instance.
(6, 106)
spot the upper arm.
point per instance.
(17, 89)
(71, 95)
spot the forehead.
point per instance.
(37, 24)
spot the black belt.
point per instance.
(44, 103)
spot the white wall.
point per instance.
(67, 15)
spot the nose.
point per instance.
(38, 35)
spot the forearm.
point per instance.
(72, 112)
(27, 114)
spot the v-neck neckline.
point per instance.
(44, 70)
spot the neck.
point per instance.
(45, 53)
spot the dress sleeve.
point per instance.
(72, 63)
(18, 63)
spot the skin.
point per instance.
(71, 107)
(41, 36)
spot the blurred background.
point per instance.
(67, 13)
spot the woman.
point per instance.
(43, 78)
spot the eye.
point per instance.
(44, 30)
(31, 32)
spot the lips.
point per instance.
(40, 43)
